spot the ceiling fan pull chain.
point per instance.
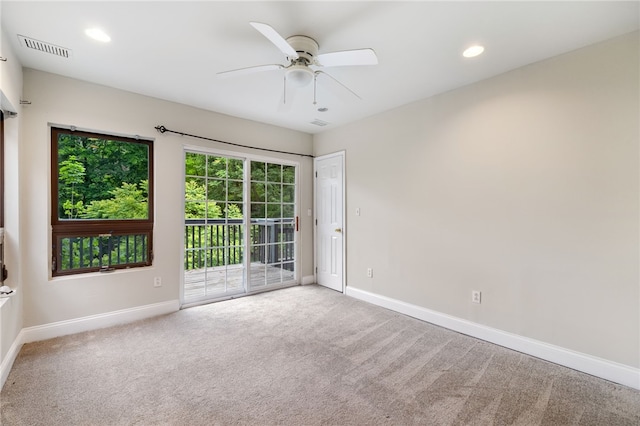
(284, 90)
(315, 86)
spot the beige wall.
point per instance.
(10, 93)
(60, 100)
(523, 186)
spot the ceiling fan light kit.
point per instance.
(302, 54)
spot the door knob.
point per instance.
(338, 229)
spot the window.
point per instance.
(101, 202)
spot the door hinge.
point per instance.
(316, 174)
(316, 269)
(316, 222)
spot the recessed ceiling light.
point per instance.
(98, 34)
(473, 51)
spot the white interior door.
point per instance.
(329, 185)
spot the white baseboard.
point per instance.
(8, 360)
(608, 370)
(94, 322)
(309, 279)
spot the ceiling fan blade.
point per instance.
(250, 70)
(275, 38)
(337, 81)
(347, 58)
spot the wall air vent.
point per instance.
(319, 122)
(44, 46)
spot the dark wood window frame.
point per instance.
(103, 231)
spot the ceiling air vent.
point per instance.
(319, 122)
(44, 46)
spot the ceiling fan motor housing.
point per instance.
(306, 47)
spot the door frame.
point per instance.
(247, 157)
(342, 155)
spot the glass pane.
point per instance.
(288, 252)
(236, 169)
(274, 173)
(258, 191)
(288, 174)
(257, 171)
(216, 190)
(194, 164)
(274, 192)
(288, 272)
(215, 257)
(258, 236)
(258, 254)
(273, 231)
(214, 210)
(274, 275)
(234, 234)
(258, 272)
(217, 167)
(288, 232)
(288, 193)
(194, 189)
(235, 191)
(257, 211)
(273, 211)
(215, 237)
(195, 210)
(216, 280)
(235, 255)
(101, 178)
(288, 211)
(233, 211)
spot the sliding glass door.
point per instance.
(272, 242)
(218, 189)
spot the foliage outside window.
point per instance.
(214, 200)
(102, 202)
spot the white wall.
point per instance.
(524, 186)
(60, 100)
(11, 309)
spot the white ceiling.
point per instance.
(173, 50)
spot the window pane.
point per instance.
(194, 164)
(257, 211)
(217, 167)
(236, 169)
(288, 174)
(235, 191)
(274, 192)
(216, 190)
(101, 178)
(273, 211)
(195, 209)
(288, 193)
(258, 191)
(233, 211)
(102, 251)
(288, 211)
(194, 189)
(274, 173)
(257, 171)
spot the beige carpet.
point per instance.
(299, 356)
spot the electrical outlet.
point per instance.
(369, 273)
(157, 282)
(476, 296)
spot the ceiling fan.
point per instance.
(301, 53)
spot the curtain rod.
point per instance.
(163, 129)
